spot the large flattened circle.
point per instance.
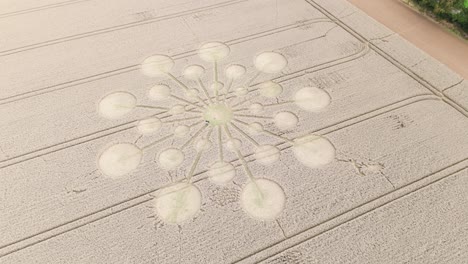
(178, 203)
(213, 51)
(119, 159)
(157, 65)
(171, 158)
(270, 62)
(314, 151)
(312, 99)
(221, 172)
(116, 105)
(263, 199)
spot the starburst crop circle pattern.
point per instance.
(217, 110)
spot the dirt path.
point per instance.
(422, 32)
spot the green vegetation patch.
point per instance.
(453, 11)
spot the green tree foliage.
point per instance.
(455, 11)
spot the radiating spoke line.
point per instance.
(240, 122)
(240, 109)
(220, 144)
(190, 110)
(182, 85)
(152, 107)
(245, 165)
(194, 136)
(254, 116)
(150, 123)
(241, 102)
(165, 138)
(245, 135)
(128, 107)
(241, 157)
(265, 105)
(216, 80)
(278, 136)
(197, 160)
(232, 95)
(266, 132)
(248, 84)
(215, 69)
(157, 141)
(201, 100)
(162, 112)
(194, 166)
(181, 119)
(186, 101)
(280, 103)
(205, 91)
(228, 88)
(250, 98)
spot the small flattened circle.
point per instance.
(312, 99)
(119, 159)
(191, 93)
(178, 203)
(256, 108)
(267, 154)
(234, 71)
(270, 89)
(270, 62)
(159, 92)
(285, 120)
(221, 172)
(233, 144)
(116, 105)
(217, 86)
(194, 72)
(213, 51)
(157, 65)
(263, 199)
(202, 144)
(170, 159)
(149, 125)
(181, 131)
(313, 151)
(255, 128)
(177, 110)
(241, 91)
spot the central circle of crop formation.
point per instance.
(217, 114)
